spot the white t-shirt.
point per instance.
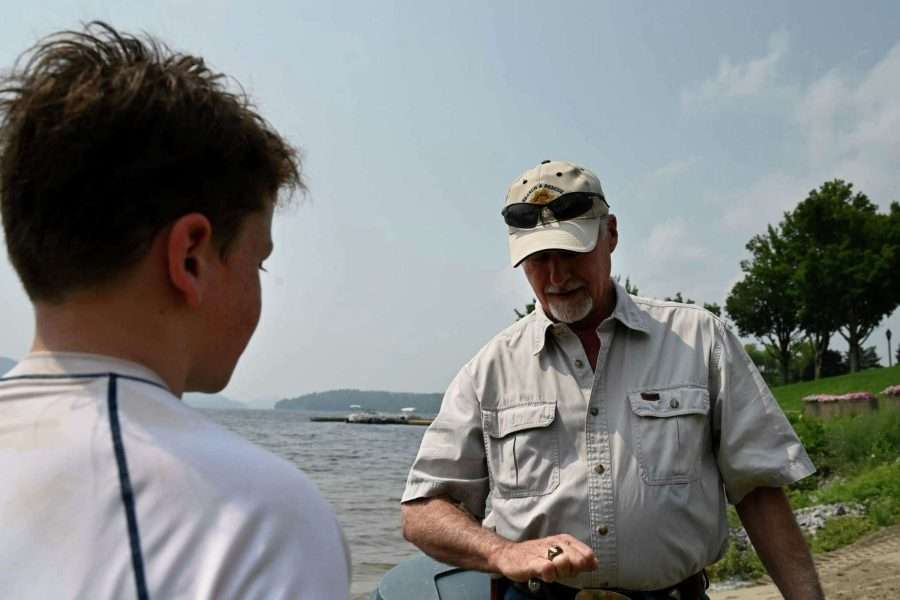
(112, 488)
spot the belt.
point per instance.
(692, 588)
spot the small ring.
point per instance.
(553, 552)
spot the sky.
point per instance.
(705, 121)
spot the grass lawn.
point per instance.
(858, 461)
(790, 397)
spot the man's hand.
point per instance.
(448, 533)
(528, 560)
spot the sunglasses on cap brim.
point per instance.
(527, 215)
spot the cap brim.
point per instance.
(576, 235)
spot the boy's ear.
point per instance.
(190, 248)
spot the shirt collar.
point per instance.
(79, 363)
(626, 312)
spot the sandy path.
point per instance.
(870, 568)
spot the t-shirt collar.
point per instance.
(80, 363)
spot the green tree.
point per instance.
(710, 306)
(845, 256)
(529, 308)
(765, 303)
(629, 287)
(679, 298)
(869, 359)
(713, 308)
(765, 362)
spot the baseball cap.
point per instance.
(543, 184)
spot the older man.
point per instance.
(137, 200)
(608, 432)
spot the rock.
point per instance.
(810, 520)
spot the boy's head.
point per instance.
(106, 140)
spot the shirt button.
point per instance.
(594, 411)
(603, 530)
(599, 469)
(673, 403)
(579, 363)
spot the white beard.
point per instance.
(571, 310)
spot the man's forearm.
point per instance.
(448, 533)
(769, 521)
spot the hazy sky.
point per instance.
(704, 122)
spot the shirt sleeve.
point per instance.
(451, 460)
(756, 445)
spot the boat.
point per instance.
(423, 578)
(406, 416)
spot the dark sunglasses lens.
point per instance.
(569, 206)
(522, 215)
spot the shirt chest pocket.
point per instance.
(522, 449)
(671, 432)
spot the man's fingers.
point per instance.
(581, 557)
(567, 541)
(564, 566)
(548, 571)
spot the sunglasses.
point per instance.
(526, 215)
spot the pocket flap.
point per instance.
(670, 403)
(503, 421)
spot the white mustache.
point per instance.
(569, 287)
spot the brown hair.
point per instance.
(106, 138)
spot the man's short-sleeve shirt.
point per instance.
(112, 488)
(636, 459)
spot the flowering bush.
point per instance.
(892, 390)
(849, 397)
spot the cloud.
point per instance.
(742, 79)
(850, 123)
(674, 168)
(763, 202)
(671, 241)
(852, 126)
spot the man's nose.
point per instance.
(558, 268)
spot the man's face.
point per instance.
(573, 286)
(233, 303)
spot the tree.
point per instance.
(869, 359)
(710, 306)
(846, 255)
(765, 303)
(765, 363)
(529, 308)
(679, 298)
(713, 308)
(630, 288)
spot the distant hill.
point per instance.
(340, 401)
(6, 364)
(211, 401)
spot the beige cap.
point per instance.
(543, 184)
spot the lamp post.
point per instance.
(887, 333)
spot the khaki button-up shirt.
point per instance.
(636, 459)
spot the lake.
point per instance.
(360, 469)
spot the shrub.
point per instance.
(840, 531)
(737, 564)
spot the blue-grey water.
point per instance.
(360, 469)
